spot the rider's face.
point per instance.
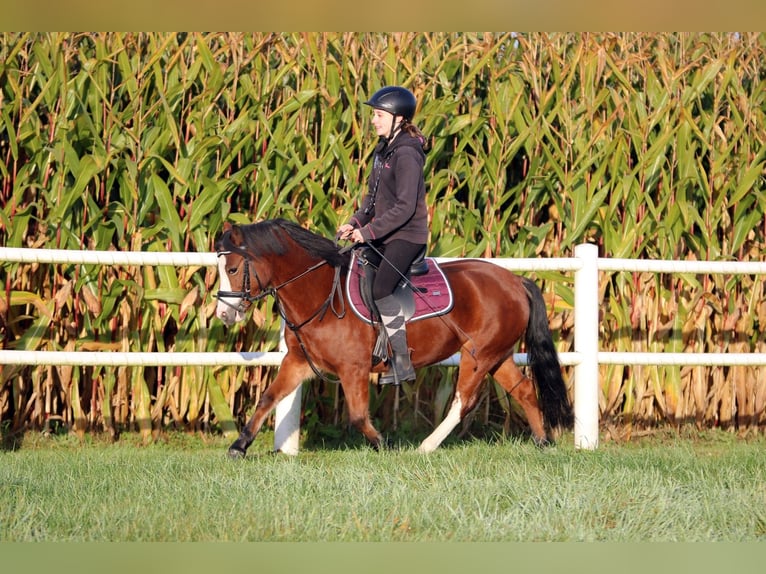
(382, 121)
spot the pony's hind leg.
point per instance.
(453, 418)
(466, 395)
(521, 388)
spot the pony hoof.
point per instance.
(542, 443)
(236, 453)
(382, 445)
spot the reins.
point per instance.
(328, 303)
(245, 294)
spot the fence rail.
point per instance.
(586, 357)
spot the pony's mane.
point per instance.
(269, 238)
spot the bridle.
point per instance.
(245, 297)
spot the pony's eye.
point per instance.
(232, 270)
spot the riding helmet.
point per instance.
(394, 100)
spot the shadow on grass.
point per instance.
(348, 438)
(14, 439)
(11, 440)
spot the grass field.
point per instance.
(705, 487)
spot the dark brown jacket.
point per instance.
(395, 204)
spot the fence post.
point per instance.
(287, 415)
(586, 383)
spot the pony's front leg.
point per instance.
(356, 389)
(292, 373)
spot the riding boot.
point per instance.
(400, 365)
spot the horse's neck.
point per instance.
(300, 296)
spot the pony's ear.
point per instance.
(226, 226)
(235, 234)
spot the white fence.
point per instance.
(586, 357)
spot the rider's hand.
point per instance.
(344, 231)
(356, 236)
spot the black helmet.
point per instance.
(394, 100)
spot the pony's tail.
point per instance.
(544, 361)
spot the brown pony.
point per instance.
(304, 272)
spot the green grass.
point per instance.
(709, 487)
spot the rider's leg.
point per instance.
(400, 365)
(397, 257)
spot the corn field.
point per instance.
(648, 145)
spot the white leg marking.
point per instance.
(432, 442)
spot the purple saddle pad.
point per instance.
(433, 295)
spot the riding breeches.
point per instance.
(398, 255)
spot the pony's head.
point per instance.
(234, 294)
(277, 248)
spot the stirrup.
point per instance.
(400, 370)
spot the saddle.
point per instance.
(424, 292)
(432, 295)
